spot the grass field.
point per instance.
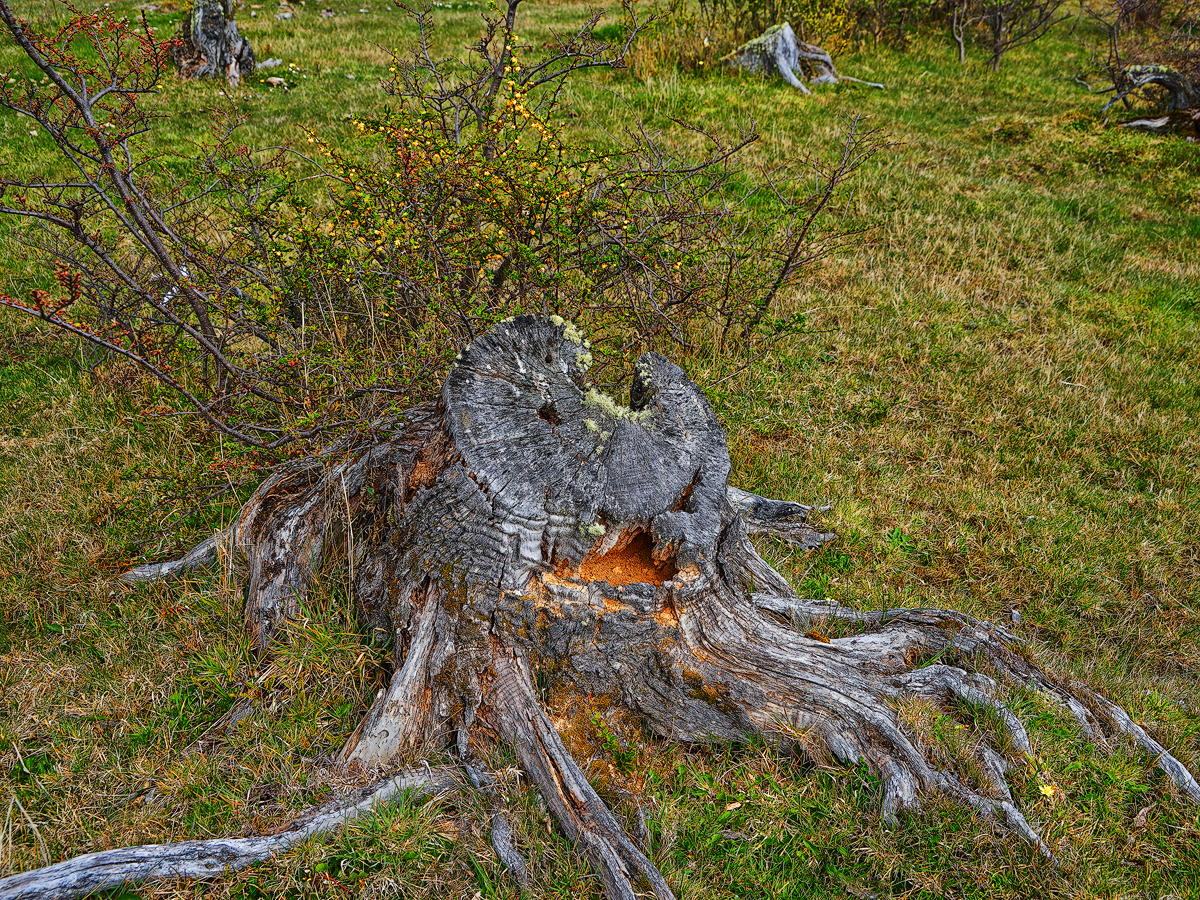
(998, 392)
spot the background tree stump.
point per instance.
(529, 530)
(779, 50)
(210, 44)
(1177, 89)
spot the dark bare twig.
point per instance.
(1006, 24)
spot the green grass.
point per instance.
(998, 393)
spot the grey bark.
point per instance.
(960, 18)
(1184, 122)
(527, 526)
(1180, 93)
(201, 556)
(780, 518)
(109, 869)
(210, 45)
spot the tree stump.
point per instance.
(779, 50)
(528, 529)
(210, 46)
(1178, 91)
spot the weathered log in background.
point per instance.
(1179, 93)
(529, 529)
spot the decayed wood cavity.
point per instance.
(630, 562)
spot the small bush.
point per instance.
(221, 286)
(694, 38)
(891, 22)
(824, 22)
(682, 39)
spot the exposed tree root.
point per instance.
(514, 707)
(528, 524)
(201, 556)
(779, 518)
(109, 869)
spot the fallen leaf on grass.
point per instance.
(1142, 819)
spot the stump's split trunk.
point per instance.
(529, 529)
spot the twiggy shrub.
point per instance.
(684, 38)
(891, 22)
(1001, 25)
(813, 20)
(288, 321)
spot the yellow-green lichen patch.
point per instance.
(595, 530)
(599, 400)
(570, 332)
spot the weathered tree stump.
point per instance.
(209, 43)
(779, 50)
(527, 526)
(1177, 89)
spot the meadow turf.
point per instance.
(997, 392)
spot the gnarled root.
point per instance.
(930, 633)
(779, 518)
(84, 875)
(513, 706)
